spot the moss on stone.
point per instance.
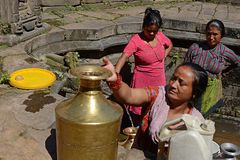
(54, 22)
(3, 46)
(5, 28)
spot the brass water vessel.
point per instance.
(130, 132)
(88, 124)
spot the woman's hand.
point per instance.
(108, 65)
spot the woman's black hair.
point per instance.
(216, 23)
(200, 78)
(152, 16)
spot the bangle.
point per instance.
(116, 84)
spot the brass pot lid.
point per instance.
(91, 72)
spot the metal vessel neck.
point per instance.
(89, 85)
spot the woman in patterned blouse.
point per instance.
(214, 57)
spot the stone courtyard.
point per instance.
(39, 31)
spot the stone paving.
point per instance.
(27, 116)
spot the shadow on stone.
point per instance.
(126, 73)
(51, 145)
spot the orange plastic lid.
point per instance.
(32, 78)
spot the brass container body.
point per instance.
(88, 124)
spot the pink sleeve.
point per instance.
(164, 39)
(131, 47)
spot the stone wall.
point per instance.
(54, 3)
(234, 2)
(20, 14)
(9, 11)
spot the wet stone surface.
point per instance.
(37, 100)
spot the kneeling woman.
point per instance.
(189, 81)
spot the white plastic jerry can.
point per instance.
(191, 143)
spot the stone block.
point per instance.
(90, 1)
(129, 24)
(15, 62)
(90, 30)
(44, 40)
(98, 14)
(220, 15)
(66, 46)
(36, 110)
(235, 2)
(193, 7)
(208, 9)
(182, 35)
(114, 41)
(54, 3)
(182, 25)
(187, 14)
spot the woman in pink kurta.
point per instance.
(149, 48)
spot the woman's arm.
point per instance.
(133, 96)
(120, 63)
(230, 56)
(191, 50)
(168, 50)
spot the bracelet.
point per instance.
(116, 84)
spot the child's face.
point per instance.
(150, 31)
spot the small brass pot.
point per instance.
(131, 133)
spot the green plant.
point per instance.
(3, 45)
(54, 22)
(175, 57)
(58, 13)
(5, 28)
(4, 78)
(70, 7)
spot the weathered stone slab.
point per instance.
(101, 15)
(192, 7)
(182, 35)
(180, 24)
(17, 144)
(129, 25)
(208, 9)
(91, 1)
(43, 40)
(19, 61)
(90, 30)
(36, 109)
(60, 2)
(115, 41)
(46, 15)
(233, 17)
(221, 15)
(66, 46)
(129, 11)
(187, 15)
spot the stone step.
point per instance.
(232, 2)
